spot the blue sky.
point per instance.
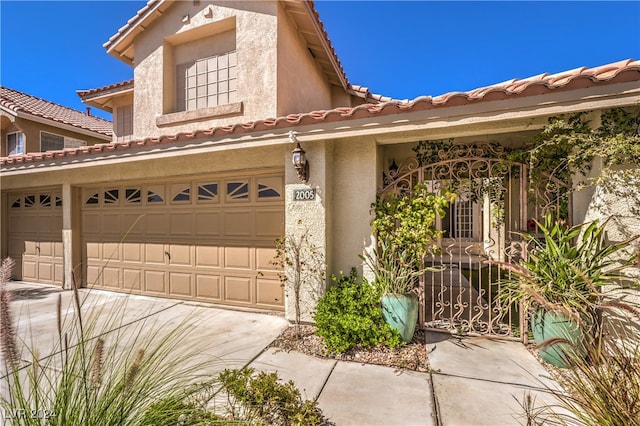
(51, 49)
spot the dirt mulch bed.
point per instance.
(412, 356)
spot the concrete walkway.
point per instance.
(475, 381)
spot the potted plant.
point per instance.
(560, 282)
(396, 275)
(404, 227)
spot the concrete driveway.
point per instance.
(234, 338)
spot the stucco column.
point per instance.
(308, 215)
(70, 234)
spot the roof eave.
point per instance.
(120, 45)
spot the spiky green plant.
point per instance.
(102, 370)
(602, 389)
(566, 269)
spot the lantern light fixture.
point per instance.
(299, 158)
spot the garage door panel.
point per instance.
(269, 292)
(157, 223)
(208, 256)
(29, 269)
(58, 249)
(111, 252)
(93, 275)
(111, 277)
(208, 287)
(180, 255)
(154, 282)
(269, 223)
(132, 252)
(16, 246)
(45, 248)
(264, 259)
(132, 279)
(30, 248)
(91, 222)
(92, 250)
(209, 223)
(111, 225)
(181, 224)
(180, 284)
(43, 224)
(133, 224)
(237, 289)
(237, 223)
(45, 271)
(237, 257)
(58, 272)
(154, 253)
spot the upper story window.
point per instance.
(53, 142)
(15, 143)
(124, 123)
(207, 82)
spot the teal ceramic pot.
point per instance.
(551, 325)
(401, 312)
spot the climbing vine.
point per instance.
(559, 157)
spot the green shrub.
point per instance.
(180, 410)
(350, 314)
(261, 399)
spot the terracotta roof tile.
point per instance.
(363, 92)
(121, 85)
(628, 70)
(131, 22)
(21, 102)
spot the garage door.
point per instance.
(35, 236)
(208, 239)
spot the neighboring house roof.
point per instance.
(16, 103)
(303, 13)
(618, 72)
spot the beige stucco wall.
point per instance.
(312, 218)
(301, 85)
(355, 180)
(169, 38)
(620, 205)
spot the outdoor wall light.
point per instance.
(299, 158)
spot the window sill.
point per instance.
(199, 114)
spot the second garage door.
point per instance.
(210, 239)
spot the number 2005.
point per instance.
(304, 194)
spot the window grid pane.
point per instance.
(207, 82)
(50, 142)
(464, 219)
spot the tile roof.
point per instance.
(123, 85)
(17, 101)
(131, 22)
(363, 92)
(622, 71)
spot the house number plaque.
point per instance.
(308, 194)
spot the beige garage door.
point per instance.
(35, 236)
(208, 239)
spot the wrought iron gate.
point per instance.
(495, 205)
